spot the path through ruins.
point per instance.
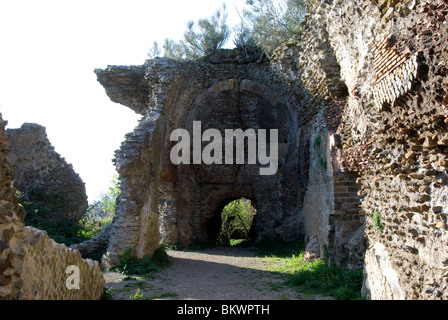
(212, 274)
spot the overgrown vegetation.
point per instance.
(131, 265)
(101, 212)
(237, 218)
(377, 221)
(40, 208)
(275, 22)
(311, 277)
(68, 231)
(200, 39)
(264, 26)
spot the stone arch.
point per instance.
(163, 201)
(196, 191)
(213, 224)
(215, 202)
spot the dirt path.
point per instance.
(213, 274)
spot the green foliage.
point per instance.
(279, 248)
(275, 22)
(177, 50)
(265, 25)
(137, 296)
(237, 218)
(235, 242)
(130, 264)
(155, 50)
(101, 212)
(68, 231)
(318, 277)
(200, 39)
(310, 278)
(377, 221)
(39, 215)
(175, 246)
(246, 42)
(213, 33)
(108, 293)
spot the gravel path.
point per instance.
(213, 274)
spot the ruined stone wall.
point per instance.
(368, 81)
(11, 225)
(32, 266)
(44, 273)
(393, 60)
(42, 176)
(223, 94)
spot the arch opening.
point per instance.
(233, 224)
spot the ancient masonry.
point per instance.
(42, 176)
(33, 266)
(361, 108)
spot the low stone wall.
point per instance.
(50, 271)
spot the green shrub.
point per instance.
(101, 212)
(130, 264)
(61, 230)
(68, 231)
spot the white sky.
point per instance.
(48, 52)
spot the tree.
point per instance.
(275, 22)
(212, 35)
(177, 50)
(199, 40)
(155, 50)
(246, 43)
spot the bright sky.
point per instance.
(48, 52)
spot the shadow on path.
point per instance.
(211, 274)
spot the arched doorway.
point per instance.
(233, 223)
(194, 193)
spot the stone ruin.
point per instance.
(361, 109)
(360, 106)
(187, 200)
(42, 176)
(33, 266)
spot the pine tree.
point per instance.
(275, 22)
(200, 39)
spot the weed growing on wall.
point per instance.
(377, 221)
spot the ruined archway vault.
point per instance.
(175, 202)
